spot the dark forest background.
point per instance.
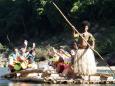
(40, 21)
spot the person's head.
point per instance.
(32, 52)
(23, 50)
(15, 49)
(61, 59)
(61, 50)
(85, 25)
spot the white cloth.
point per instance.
(84, 62)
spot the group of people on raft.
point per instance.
(79, 60)
(22, 58)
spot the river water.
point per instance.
(9, 83)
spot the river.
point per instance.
(9, 83)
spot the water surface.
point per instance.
(9, 83)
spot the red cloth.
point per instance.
(61, 67)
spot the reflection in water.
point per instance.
(29, 84)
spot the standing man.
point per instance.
(84, 61)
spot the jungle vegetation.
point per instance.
(40, 21)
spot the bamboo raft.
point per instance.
(33, 77)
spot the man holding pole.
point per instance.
(84, 61)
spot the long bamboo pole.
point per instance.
(73, 27)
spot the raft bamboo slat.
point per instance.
(98, 78)
(63, 81)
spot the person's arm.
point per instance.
(75, 34)
(93, 45)
(72, 52)
(54, 50)
(93, 41)
(76, 37)
(33, 47)
(32, 51)
(26, 44)
(17, 53)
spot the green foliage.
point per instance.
(41, 6)
(106, 41)
(81, 5)
(75, 7)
